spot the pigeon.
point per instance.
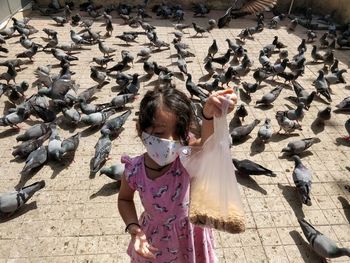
(248, 167)
(144, 53)
(222, 60)
(34, 132)
(60, 20)
(200, 9)
(311, 35)
(299, 146)
(113, 126)
(128, 38)
(43, 113)
(14, 118)
(35, 159)
(109, 27)
(265, 131)
(133, 87)
(250, 88)
(114, 172)
(148, 67)
(296, 114)
(322, 86)
(72, 115)
(194, 90)
(286, 124)
(11, 202)
(324, 115)
(270, 97)
(198, 29)
(302, 177)
(344, 104)
(208, 66)
(302, 95)
(127, 57)
(102, 150)
(54, 146)
(260, 75)
(211, 25)
(70, 144)
(181, 27)
(98, 76)
(213, 49)
(62, 56)
(10, 74)
(102, 61)
(276, 20)
(334, 68)
(278, 44)
(293, 24)
(241, 112)
(77, 39)
(238, 133)
(245, 7)
(119, 101)
(321, 244)
(104, 49)
(210, 86)
(182, 65)
(316, 56)
(335, 78)
(24, 149)
(97, 118)
(302, 45)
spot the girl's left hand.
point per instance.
(214, 104)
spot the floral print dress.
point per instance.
(165, 217)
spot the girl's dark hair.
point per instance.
(176, 101)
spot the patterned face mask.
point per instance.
(162, 151)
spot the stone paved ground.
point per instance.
(75, 218)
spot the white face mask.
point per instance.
(162, 151)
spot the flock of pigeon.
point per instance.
(58, 99)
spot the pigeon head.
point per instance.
(296, 159)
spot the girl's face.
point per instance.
(164, 125)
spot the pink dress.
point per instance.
(165, 217)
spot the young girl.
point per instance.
(163, 232)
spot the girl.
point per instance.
(163, 233)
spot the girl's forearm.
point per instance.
(127, 211)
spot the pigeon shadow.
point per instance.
(347, 168)
(292, 99)
(205, 78)
(301, 155)
(257, 147)
(235, 122)
(317, 126)
(240, 141)
(305, 250)
(245, 97)
(179, 76)
(58, 167)
(292, 197)
(23, 210)
(89, 131)
(320, 99)
(196, 36)
(249, 182)
(107, 190)
(346, 207)
(8, 133)
(264, 106)
(277, 137)
(342, 141)
(342, 111)
(25, 177)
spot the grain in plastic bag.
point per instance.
(215, 200)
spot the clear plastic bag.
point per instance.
(215, 200)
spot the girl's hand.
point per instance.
(141, 245)
(215, 102)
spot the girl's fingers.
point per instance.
(152, 248)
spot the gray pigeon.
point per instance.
(296, 114)
(70, 144)
(336, 77)
(34, 132)
(248, 167)
(102, 150)
(98, 76)
(72, 115)
(114, 172)
(297, 147)
(302, 95)
(97, 118)
(133, 87)
(113, 126)
(265, 131)
(344, 104)
(12, 201)
(77, 39)
(270, 97)
(240, 132)
(14, 118)
(25, 148)
(54, 146)
(321, 244)
(322, 86)
(302, 180)
(286, 124)
(35, 159)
